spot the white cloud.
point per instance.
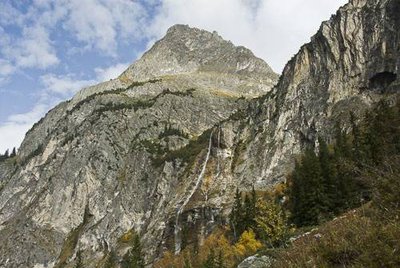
(55, 89)
(98, 25)
(6, 68)
(66, 85)
(108, 23)
(110, 72)
(33, 50)
(13, 131)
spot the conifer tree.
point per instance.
(220, 261)
(249, 213)
(135, 254)
(314, 194)
(342, 144)
(296, 195)
(308, 192)
(187, 263)
(79, 262)
(357, 151)
(328, 173)
(210, 261)
(271, 222)
(236, 216)
(13, 153)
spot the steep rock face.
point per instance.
(351, 62)
(134, 153)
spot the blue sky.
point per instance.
(51, 49)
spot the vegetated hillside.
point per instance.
(367, 159)
(357, 179)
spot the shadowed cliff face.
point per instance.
(181, 127)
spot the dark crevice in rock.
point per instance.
(381, 81)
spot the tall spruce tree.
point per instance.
(13, 152)
(236, 216)
(308, 195)
(249, 209)
(210, 261)
(315, 198)
(136, 259)
(79, 262)
(220, 261)
(296, 195)
(328, 173)
(357, 150)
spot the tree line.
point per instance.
(7, 154)
(329, 179)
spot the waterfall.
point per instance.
(177, 231)
(219, 147)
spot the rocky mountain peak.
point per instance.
(187, 50)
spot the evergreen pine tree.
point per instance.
(186, 262)
(220, 261)
(13, 153)
(111, 259)
(314, 197)
(236, 216)
(135, 255)
(357, 150)
(296, 195)
(79, 262)
(6, 154)
(342, 144)
(210, 261)
(249, 213)
(328, 173)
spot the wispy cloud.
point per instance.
(98, 25)
(13, 131)
(65, 86)
(105, 74)
(108, 21)
(34, 49)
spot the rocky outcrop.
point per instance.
(256, 262)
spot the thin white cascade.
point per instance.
(177, 231)
(218, 156)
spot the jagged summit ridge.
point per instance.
(202, 55)
(185, 50)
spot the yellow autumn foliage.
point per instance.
(271, 221)
(247, 244)
(220, 244)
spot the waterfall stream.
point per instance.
(218, 156)
(177, 231)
